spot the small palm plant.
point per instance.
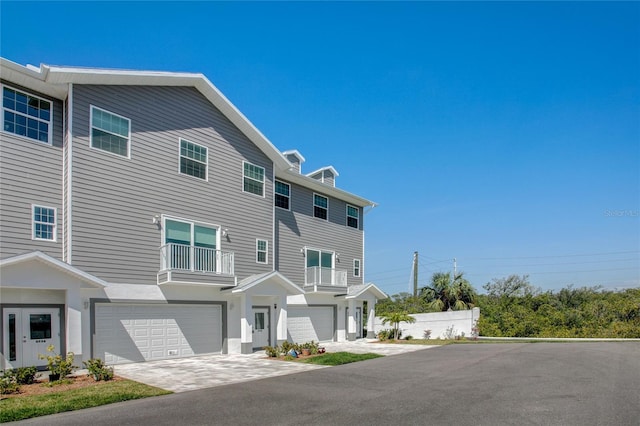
(395, 318)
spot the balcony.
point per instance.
(319, 279)
(185, 264)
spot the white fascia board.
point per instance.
(59, 75)
(323, 188)
(322, 169)
(296, 153)
(275, 276)
(29, 78)
(373, 289)
(55, 263)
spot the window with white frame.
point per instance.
(44, 223)
(320, 206)
(253, 181)
(193, 159)
(110, 132)
(261, 251)
(356, 267)
(190, 246)
(353, 215)
(26, 115)
(282, 195)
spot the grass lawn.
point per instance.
(24, 407)
(338, 358)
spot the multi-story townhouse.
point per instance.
(142, 216)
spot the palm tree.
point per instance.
(445, 294)
(395, 318)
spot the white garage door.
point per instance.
(310, 323)
(131, 333)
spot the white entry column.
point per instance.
(371, 317)
(351, 320)
(246, 323)
(73, 331)
(281, 320)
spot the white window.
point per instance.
(193, 159)
(353, 213)
(110, 132)
(282, 195)
(261, 251)
(26, 115)
(253, 178)
(44, 223)
(320, 206)
(356, 267)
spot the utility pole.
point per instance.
(455, 268)
(415, 274)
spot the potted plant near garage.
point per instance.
(59, 367)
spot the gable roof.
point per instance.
(273, 276)
(38, 256)
(356, 291)
(54, 81)
(322, 169)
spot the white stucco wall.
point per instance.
(440, 324)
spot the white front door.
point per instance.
(27, 333)
(260, 327)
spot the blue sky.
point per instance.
(505, 135)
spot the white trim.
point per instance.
(370, 287)
(255, 280)
(91, 108)
(69, 206)
(206, 172)
(266, 251)
(313, 213)
(264, 186)
(296, 153)
(65, 267)
(275, 193)
(348, 216)
(53, 80)
(320, 251)
(33, 223)
(49, 141)
(323, 169)
(192, 222)
(359, 267)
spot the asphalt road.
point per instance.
(484, 384)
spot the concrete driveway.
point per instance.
(186, 374)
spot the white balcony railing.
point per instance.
(180, 257)
(317, 275)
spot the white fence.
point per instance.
(441, 325)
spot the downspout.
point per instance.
(68, 218)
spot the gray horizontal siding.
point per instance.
(115, 198)
(30, 173)
(298, 228)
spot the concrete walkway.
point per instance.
(185, 374)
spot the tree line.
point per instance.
(512, 307)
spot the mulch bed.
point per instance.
(42, 386)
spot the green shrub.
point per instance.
(8, 383)
(57, 364)
(272, 351)
(388, 334)
(98, 369)
(25, 375)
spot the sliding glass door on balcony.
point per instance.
(190, 247)
(320, 269)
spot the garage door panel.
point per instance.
(310, 323)
(131, 333)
